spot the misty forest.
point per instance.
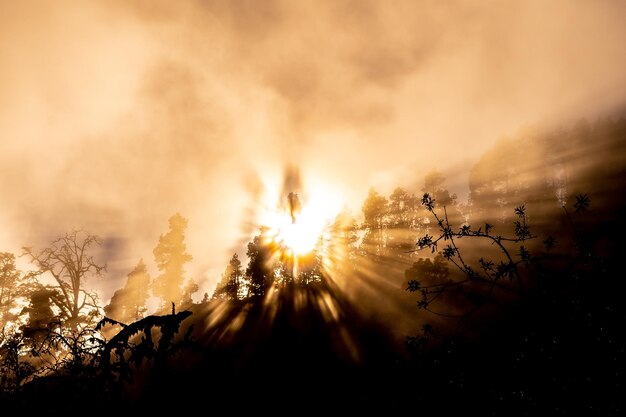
(240, 219)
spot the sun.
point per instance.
(299, 233)
(299, 237)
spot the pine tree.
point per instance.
(403, 221)
(128, 304)
(310, 265)
(375, 210)
(170, 256)
(10, 282)
(231, 285)
(258, 272)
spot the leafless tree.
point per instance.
(69, 261)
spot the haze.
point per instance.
(117, 114)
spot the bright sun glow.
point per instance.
(301, 236)
(319, 208)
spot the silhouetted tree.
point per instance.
(283, 267)
(69, 262)
(402, 209)
(230, 286)
(481, 281)
(403, 221)
(430, 271)
(258, 271)
(130, 353)
(41, 319)
(435, 186)
(310, 266)
(14, 371)
(171, 256)
(375, 215)
(11, 287)
(129, 303)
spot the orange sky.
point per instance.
(116, 114)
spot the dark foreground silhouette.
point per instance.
(561, 351)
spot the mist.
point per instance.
(115, 115)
